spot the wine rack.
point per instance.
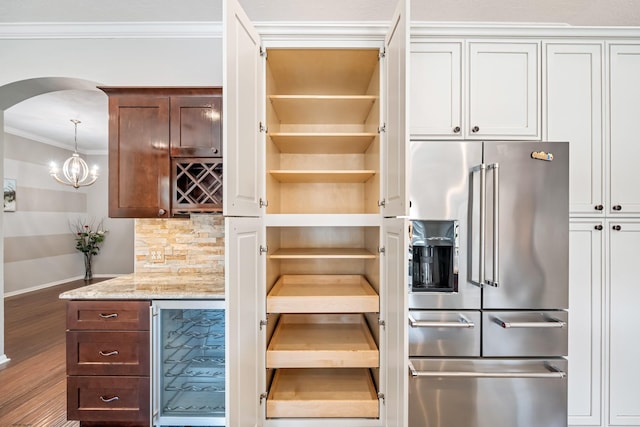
(197, 185)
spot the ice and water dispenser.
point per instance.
(433, 256)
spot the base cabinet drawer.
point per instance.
(108, 353)
(108, 315)
(98, 398)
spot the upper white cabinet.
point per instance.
(436, 95)
(492, 92)
(503, 91)
(624, 111)
(243, 143)
(573, 111)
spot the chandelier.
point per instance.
(75, 171)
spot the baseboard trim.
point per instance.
(3, 359)
(51, 284)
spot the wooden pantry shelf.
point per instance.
(326, 176)
(322, 253)
(322, 341)
(322, 109)
(322, 294)
(322, 143)
(322, 393)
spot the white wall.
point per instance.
(38, 239)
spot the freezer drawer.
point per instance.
(487, 393)
(528, 334)
(444, 333)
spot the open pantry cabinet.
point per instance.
(315, 136)
(316, 319)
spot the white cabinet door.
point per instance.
(394, 312)
(624, 149)
(396, 137)
(624, 303)
(245, 298)
(573, 111)
(586, 244)
(503, 94)
(243, 102)
(436, 90)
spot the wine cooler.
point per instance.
(189, 363)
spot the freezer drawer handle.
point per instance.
(463, 322)
(551, 323)
(553, 373)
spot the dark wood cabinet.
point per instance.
(196, 125)
(108, 363)
(148, 128)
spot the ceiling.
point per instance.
(46, 118)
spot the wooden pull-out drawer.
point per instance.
(108, 399)
(322, 294)
(322, 340)
(108, 353)
(112, 315)
(326, 393)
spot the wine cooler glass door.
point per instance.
(190, 368)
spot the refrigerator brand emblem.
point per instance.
(541, 155)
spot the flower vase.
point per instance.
(88, 274)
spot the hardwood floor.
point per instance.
(33, 382)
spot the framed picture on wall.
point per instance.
(9, 195)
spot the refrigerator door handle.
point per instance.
(551, 323)
(462, 323)
(495, 167)
(553, 372)
(482, 170)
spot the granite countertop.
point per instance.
(153, 286)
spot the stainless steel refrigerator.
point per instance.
(488, 284)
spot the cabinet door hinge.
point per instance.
(263, 323)
(382, 203)
(263, 203)
(381, 249)
(263, 52)
(382, 128)
(263, 396)
(382, 323)
(382, 53)
(381, 396)
(262, 127)
(263, 249)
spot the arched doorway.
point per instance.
(10, 95)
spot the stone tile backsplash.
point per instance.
(180, 245)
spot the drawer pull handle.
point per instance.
(551, 323)
(462, 323)
(553, 373)
(109, 399)
(109, 353)
(109, 316)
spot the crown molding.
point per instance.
(297, 31)
(118, 30)
(519, 30)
